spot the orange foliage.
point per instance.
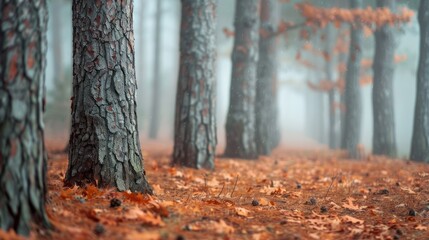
(320, 17)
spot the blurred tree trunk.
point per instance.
(104, 143)
(267, 129)
(420, 139)
(329, 65)
(384, 140)
(156, 82)
(240, 123)
(353, 105)
(22, 99)
(195, 119)
(342, 76)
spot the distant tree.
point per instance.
(195, 119)
(104, 143)
(384, 140)
(22, 99)
(353, 99)
(267, 129)
(157, 80)
(329, 70)
(240, 123)
(420, 139)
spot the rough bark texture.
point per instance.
(329, 65)
(22, 97)
(240, 123)
(420, 139)
(353, 105)
(156, 82)
(384, 139)
(195, 119)
(267, 130)
(104, 143)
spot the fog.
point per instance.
(297, 103)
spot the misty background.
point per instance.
(300, 126)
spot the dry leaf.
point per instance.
(350, 219)
(242, 212)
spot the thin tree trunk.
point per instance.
(353, 97)
(267, 130)
(329, 65)
(384, 139)
(195, 119)
(342, 59)
(156, 91)
(420, 139)
(22, 98)
(240, 123)
(104, 143)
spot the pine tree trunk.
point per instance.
(156, 92)
(195, 119)
(384, 140)
(22, 99)
(329, 49)
(240, 123)
(353, 97)
(420, 139)
(267, 130)
(104, 142)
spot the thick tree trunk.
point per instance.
(384, 139)
(22, 98)
(104, 142)
(195, 119)
(267, 130)
(240, 123)
(156, 82)
(420, 139)
(353, 97)
(329, 65)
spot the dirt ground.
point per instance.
(294, 194)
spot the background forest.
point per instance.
(303, 115)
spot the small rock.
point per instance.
(323, 209)
(298, 185)
(180, 237)
(396, 237)
(399, 232)
(383, 192)
(311, 201)
(284, 222)
(115, 203)
(99, 229)
(255, 203)
(412, 212)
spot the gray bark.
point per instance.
(420, 139)
(195, 119)
(104, 142)
(353, 99)
(342, 58)
(267, 129)
(240, 123)
(384, 139)
(156, 82)
(22, 98)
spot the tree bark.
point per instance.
(104, 143)
(353, 97)
(420, 139)
(384, 139)
(195, 119)
(22, 99)
(329, 65)
(156, 83)
(267, 130)
(240, 123)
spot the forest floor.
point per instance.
(293, 194)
